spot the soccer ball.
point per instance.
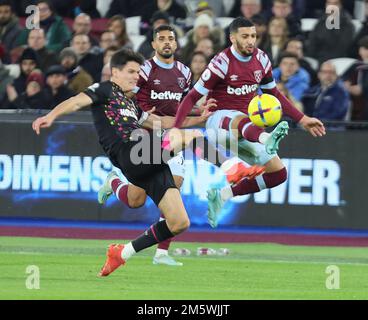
(265, 110)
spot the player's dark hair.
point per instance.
(287, 54)
(8, 3)
(240, 22)
(123, 56)
(164, 27)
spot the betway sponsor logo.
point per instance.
(245, 89)
(167, 95)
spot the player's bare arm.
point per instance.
(313, 125)
(68, 106)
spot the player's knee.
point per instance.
(180, 226)
(137, 201)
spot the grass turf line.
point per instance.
(68, 270)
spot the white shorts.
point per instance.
(250, 152)
(177, 166)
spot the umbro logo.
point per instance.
(234, 77)
(157, 82)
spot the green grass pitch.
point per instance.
(68, 270)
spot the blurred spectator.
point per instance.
(83, 25)
(354, 51)
(158, 18)
(203, 28)
(108, 53)
(323, 40)
(261, 28)
(78, 78)
(106, 72)
(56, 88)
(205, 45)
(5, 80)
(72, 8)
(296, 46)
(246, 8)
(37, 42)
(131, 8)
(295, 79)
(284, 9)
(28, 62)
(276, 38)
(213, 8)
(297, 104)
(353, 82)
(107, 39)
(33, 97)
(329, 100)
(9, 27)
(174, 10)
(316, 8)
(57, 32)
(198, 64)
(117, 24)
(90, 62)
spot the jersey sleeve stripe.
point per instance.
(268, 67)
(269, 85)
(216, 71)
(200, 88)
(143, 75)
(221, 65)
(146, 69)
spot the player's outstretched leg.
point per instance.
(280, 132)
(176, 222)
(106, 190)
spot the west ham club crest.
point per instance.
(181, 83)
(258, 75)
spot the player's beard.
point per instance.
(166, 55)
(242, 51)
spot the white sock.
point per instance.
(161, 252)
(128, 251)
(226, 193)
(263, 137)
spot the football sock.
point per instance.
(163, 246)
(266, 180)
(156, 233)
(120, 189)
(205, 150)
(251, 132)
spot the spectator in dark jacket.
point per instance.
(9, 27)
(329, 100)
(130, 8)
(28, 62)
(329, 40)
(34, 97)
(37, 42)
(57, 32)
(56, 88)
(173, 9)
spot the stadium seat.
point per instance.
(313, 62)
(224, 21)
(308, 24)
(133, 25)
(137, 40)
(342, 64)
